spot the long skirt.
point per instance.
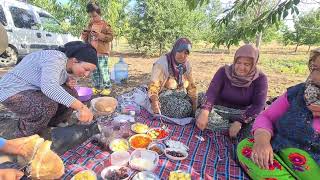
(220, 117)
(289, 163)
(100, 76)
(175, 104)
(35, 111)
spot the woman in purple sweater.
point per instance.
(237, 93)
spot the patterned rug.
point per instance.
(214, 158)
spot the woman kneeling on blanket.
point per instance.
(40, 91)
(237, 93)
(286, 142)
(171, 76)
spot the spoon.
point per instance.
(163, 126)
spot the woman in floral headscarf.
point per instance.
(237, 93)
(171, 76)
(286, 142)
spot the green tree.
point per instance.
(260, 22)
(74, 12)
(156, 24)
(306, 30)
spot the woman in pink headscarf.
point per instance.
(237, 93)
(171, 76)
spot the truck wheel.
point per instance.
(9, 57)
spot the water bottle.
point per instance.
(132, 116)
(121, 71)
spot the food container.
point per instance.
(144, 160)
(85, 175)
(84, 93)
(119, 145)
(140, 141)
(146, 175)
(158, 134)
(176, 145)
(174, 175)
(175, 154)
(110, 102)
(139, 128)
(120, 158)
(157, 147)
(116, 172)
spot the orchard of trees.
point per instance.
(150, 26)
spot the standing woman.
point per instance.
(99, 34)
(172, 89)
(236, 94)
(40, 89)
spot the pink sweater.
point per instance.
(277, 109)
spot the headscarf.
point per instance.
(178, 69)
(312, 89)
(244, 81)
(81, 51)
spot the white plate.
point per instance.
(176, 145)
(176, 150)
(107, 170)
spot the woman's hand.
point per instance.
(202, 119)
(315, 109)
(262, 152)
(234, 129)
(10, 174)
(155, 105)
(71, 82)
(84, 114)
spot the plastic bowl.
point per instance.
(120, 158)
(109, 101)
(143, 160)
(84, 93)
(87, 172)
(114, 143)
(160, 146)
(109, 169)
(142, 145)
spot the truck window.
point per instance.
(23, 18)
(49, 23)
(3, 19)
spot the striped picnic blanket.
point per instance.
(213, 158)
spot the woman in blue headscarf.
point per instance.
(172, 90)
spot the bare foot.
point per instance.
(234, 129)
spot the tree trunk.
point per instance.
(160, 49)
(296, 47)
(309, 49)
(258, 39)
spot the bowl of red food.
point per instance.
(158, 133)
